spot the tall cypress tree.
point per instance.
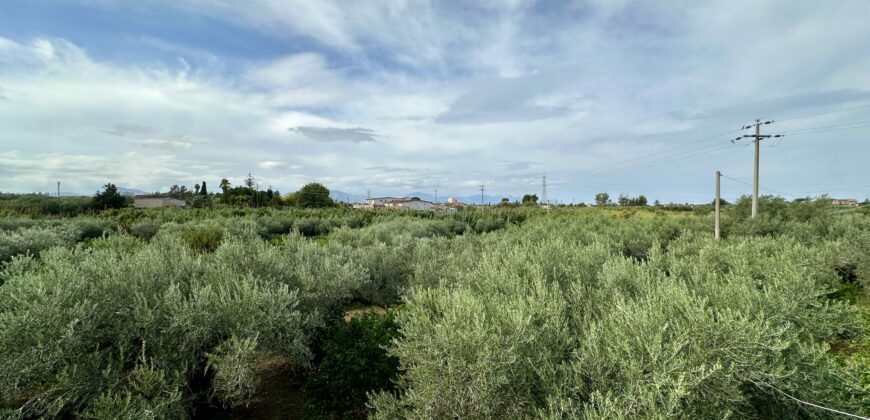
(202, 190)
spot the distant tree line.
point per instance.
(312, 195)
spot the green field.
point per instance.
(484, 313)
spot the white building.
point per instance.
(151, 201)
(452, 200)
(380, 201)
(410, 204)
(845, 202)
(402, 204)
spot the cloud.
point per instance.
(278, 165)
(180, 143)
(479, 93)
(151, 137)
(298, 80)
(519, 165)
(122, 130)
(85, 172)
(789, 104)
(389, 169)
(332, 134)
(525, 98)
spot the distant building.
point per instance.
(452, 200)
(410, 204)
(154, 201)
(844, 202)
(380, 201)
(403, 203)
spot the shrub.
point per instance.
(93, 228)
(354, 363)
(311, 226)
(110, 330)
(547, 328)
(34, 240)
(203, 238)
(145, 229)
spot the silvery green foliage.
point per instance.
(35, 239)
(235, 378)
(594, 314)
(75, 328)
(323, 280)
(14, 223)
(564, 319)
(145, 229)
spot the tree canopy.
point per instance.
(313, 195)
(109, 198)
(530, 199)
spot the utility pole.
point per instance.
(58, 189)
(436, 196)
(544, 193)
(544, 189)
(716, 206)
(757, 139)
(482, 189)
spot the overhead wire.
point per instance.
(630, 165)
(798, 117)
(760, 188)
(707, 148)
(706, 139)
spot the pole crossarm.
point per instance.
(757, 137)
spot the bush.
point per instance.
(107, 330)
(34, 240)
(93, 228)
(203, 238)
(549, 328)
(145, 230)
(567, 314)
(354, 363)
(311, 226)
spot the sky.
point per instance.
(392, 97)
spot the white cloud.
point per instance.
(495, 92)
(177, 144)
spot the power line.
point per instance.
(764, 189)
(811, 130)
(619, 171)
(815, 405)
(667, 150)
(848, 124)
(640, 160)
(798, 117)
(603, 171)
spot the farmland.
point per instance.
(485, 313)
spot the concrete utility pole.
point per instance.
(482, 189)
(716, 205)
(436, 196)
(757, 139)
(58, 189)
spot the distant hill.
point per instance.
(346, 196)
(122, 190)
(467, 199)
(69, 194)
(131, 191)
